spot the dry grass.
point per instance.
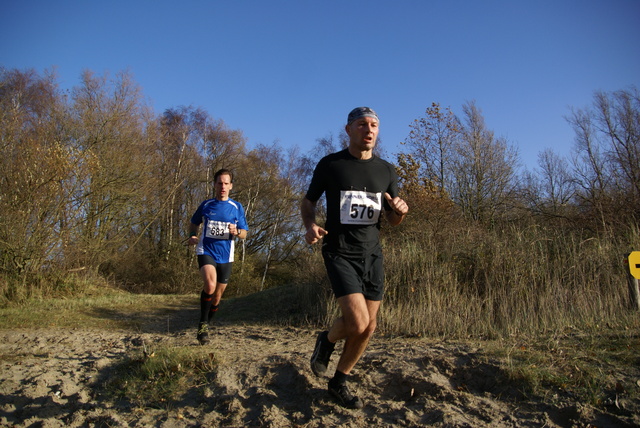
(594, 366)
(157, 378)
(499, 283)
(96, 307)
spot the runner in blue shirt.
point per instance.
(223, 220)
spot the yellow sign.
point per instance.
(634, 264)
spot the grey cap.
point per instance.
(359, 112)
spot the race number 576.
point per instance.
(359, 207)
(359, 211)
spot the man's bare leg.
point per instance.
(356, 325)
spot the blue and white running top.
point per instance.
(214, 239)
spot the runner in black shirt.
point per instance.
(359, 187)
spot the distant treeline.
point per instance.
(93, 181)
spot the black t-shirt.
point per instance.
(355, 199)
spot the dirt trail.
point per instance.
(54, 378)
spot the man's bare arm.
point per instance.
(308, 212)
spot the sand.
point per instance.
(55, 378)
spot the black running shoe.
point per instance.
(321, 354)
(342, 394)
(203, 333)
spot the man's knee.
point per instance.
(358, 318)
(219, 287)
(370, 328)
(361, 327)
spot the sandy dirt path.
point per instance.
(55, 378)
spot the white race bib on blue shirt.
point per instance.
(217, 230)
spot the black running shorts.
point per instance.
(355, 275)
(223, 270)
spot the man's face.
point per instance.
(222, 187)
(363, 133)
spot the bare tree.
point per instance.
(432, 142)
(35, 169)
(271, 183)
(550, 191)
(607, 156)
(590, 167)
(109, 139)
(617, 118)
(483, 169)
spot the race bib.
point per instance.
(357, 207)
(217, 230)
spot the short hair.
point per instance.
(222, 171)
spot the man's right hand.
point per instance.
(314, 234)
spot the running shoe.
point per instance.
(203, 333)
(342, 394)
(321, 354)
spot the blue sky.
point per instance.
(290, 71)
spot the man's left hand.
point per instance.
(398, 206)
